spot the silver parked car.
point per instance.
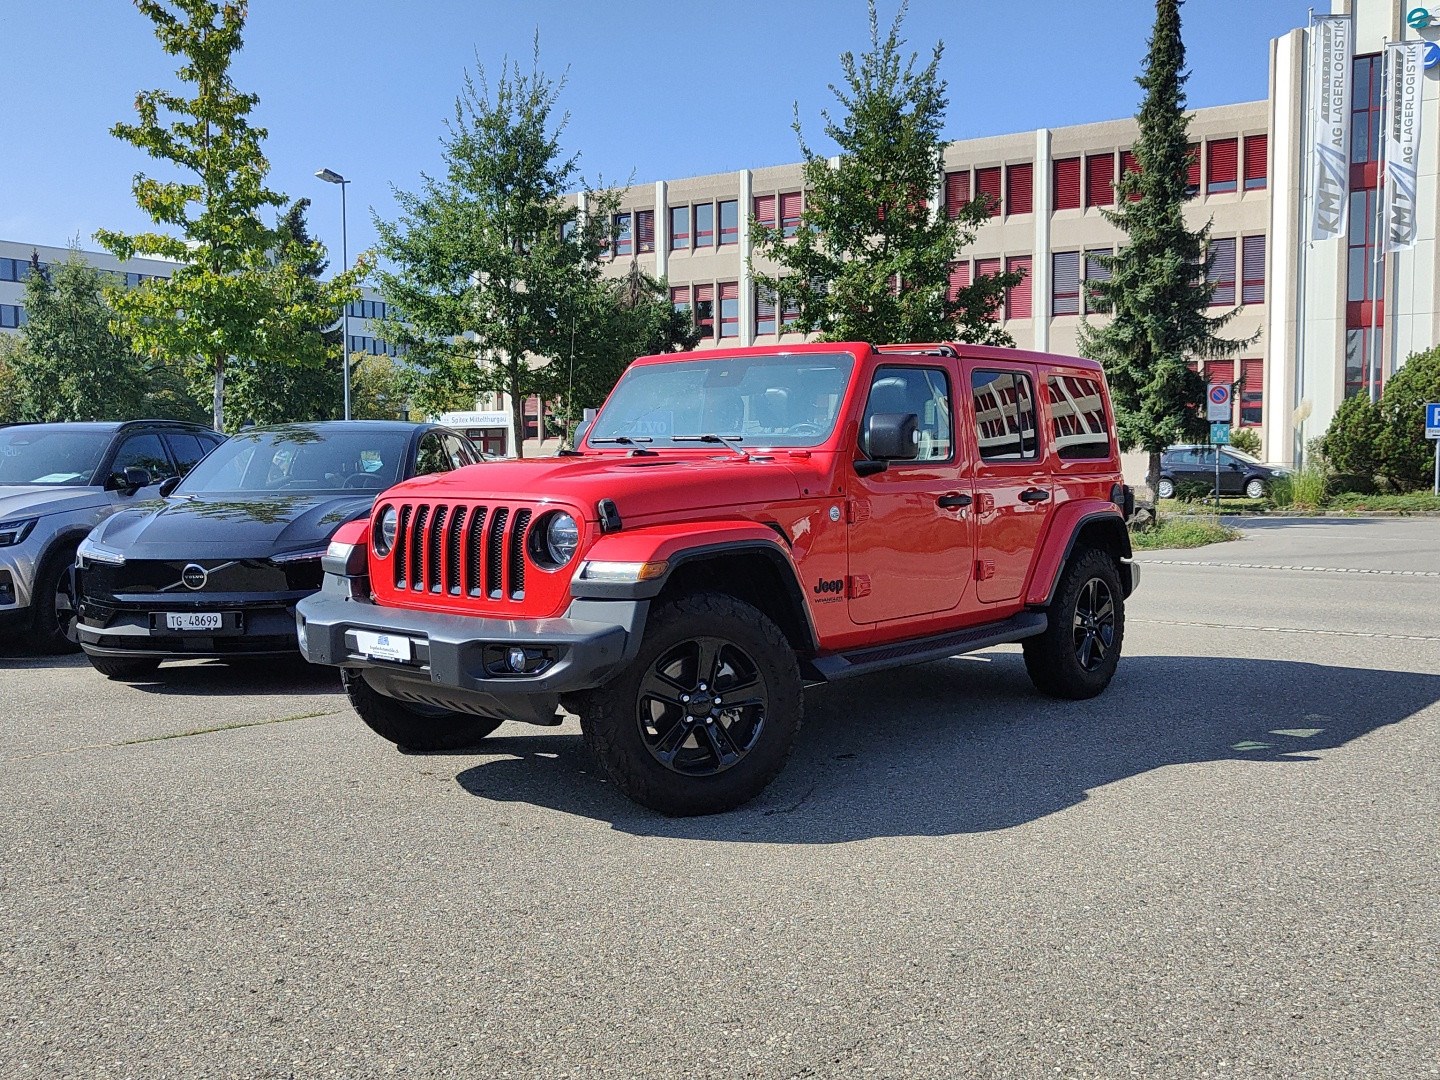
(57, 482)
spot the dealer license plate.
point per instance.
(383, 646)
(193, 620)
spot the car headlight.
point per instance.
(384, 533)
(554, 540)
(15, 530)
(91, 551)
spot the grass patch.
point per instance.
(1415, 502)
(1188, 533)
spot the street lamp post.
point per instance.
(332, 177)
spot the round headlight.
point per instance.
(562, 537)
(384, 534)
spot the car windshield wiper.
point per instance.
(627, 440)
(723, 440)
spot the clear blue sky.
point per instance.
(655, 90)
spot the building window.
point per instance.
(1221, 273)
(1018, 296)
(789, 314)
(1252, 270)
(791, 205)
(989, 268)
(1364, 282)
(957, 192)
(705, 310)
(704, 225)
(764, 310)
(729, 309)
(1192, 169)
(1095, 270)
(644, 231)
(765, 210)
(1252, 393)
(1020, 189)
(987, 187)
(1099, 179)
(1365, 127)
(1362, 361)
(620, 237)
(1065, 283)
(959, 279)
(12, 316)
(729, 222)
(1128, 164)
(679, 228)
(1222, 165)
(680, 297)
(1067, 184)
(1256, 147)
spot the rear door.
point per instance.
(1013, 494)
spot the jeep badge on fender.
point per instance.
(653, 583)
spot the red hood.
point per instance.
(640, 486)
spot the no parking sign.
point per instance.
(1217, 403)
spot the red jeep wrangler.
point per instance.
(734, 525)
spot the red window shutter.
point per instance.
(765, 210)
(1067, 184)
(988, 268)
(1020, 189)
(1221, 155)
(645, 230)
(1252, 270)
(1128, 164)
(1099, 179)
(987, 184)
(1017, 297)
(679, 296)
(1252, 392)
(1192, 168)
(959, 279)
(1256, 147)
(1219, 371)
(790, 206)
(957, 192)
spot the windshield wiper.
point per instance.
(626, 440)
(723, 440)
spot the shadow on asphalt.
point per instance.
(267, 676)
(964, 745)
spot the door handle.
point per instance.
(1034, 495)
(953, 501)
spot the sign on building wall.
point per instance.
(1332, 51)
(1404, 62)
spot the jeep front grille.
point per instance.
(475, 551)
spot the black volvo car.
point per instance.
(214, 569)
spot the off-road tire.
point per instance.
(611, 716)
(413, 727)
(51, 634)
(123, 668)
(1255, 489)
(1054, 658)
(1167, 489)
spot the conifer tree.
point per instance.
(871, 261)
(1158, 291)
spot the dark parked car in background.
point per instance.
(215, 568)
(57, 482)
(1240, 474)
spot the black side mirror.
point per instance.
(131, 480)
(168, 485)
(892, 437)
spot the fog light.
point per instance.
(7, 588)
(516, 659)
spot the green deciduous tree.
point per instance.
(74, 367)
(490, 262)
(1351, 444)
(871, 261)
(379, 389)
(1157, 291)
(238, 296)
(10, 349)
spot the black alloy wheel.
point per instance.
(1076, 657)
(702, 706)
(1094, 626)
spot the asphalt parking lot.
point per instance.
(1225, 866)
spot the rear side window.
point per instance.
(1077, 417)
(186, 449)
(1004, 415)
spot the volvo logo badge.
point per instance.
(194, 576)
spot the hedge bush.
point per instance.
(1387, 439)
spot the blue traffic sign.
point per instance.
(1219, 434)
(1432, 420)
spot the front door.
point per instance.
(911, 542)
(1013, 492)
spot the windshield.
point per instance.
(302, 459)
(785, 400)
(47, 455)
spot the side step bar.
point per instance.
(878, 658)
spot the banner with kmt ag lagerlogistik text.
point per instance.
(1332, 54)
(1404, 65)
